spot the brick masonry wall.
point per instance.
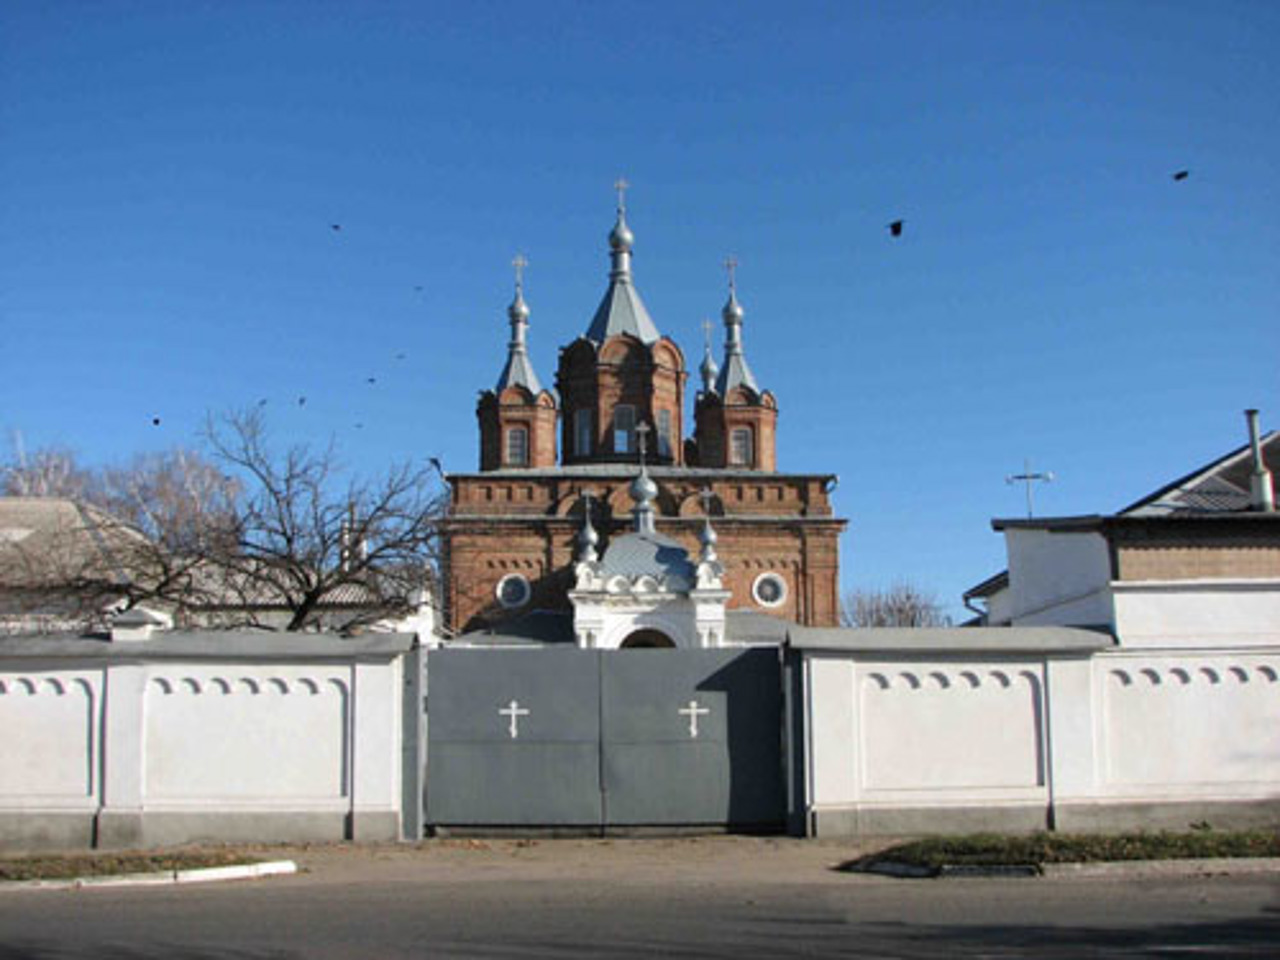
(528, 525)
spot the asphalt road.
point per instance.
(724, 897)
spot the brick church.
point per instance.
(595, 518)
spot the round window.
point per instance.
(513, 590)
(770, 590)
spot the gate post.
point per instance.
(413, 745)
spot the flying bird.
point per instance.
(155, 421)
(895, 228)
(419, 289)
(302, 401)
(335, 227)
(400, 356)
(372, 380)
(262, 402)
(435, 464)
(1182, 175)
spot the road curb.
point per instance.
(161, 878)
(1109, 869)
(1216, 866)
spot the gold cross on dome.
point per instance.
(731, 265)
(621, 186)
(642, 434)
(707, 498)
(520, 262)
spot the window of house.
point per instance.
(517, 446)
(624, 428)
(741, 449)
(664, 433)
(582, 430)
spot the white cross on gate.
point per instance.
(693, 712)
(515, 712)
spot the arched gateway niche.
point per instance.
(647, 640)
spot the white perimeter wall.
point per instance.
(136, 739)
(1026, 733)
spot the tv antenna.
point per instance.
(1030, 479)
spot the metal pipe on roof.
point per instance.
(1262, 495)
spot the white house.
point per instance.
(1127, 675)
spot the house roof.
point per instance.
(1222, 486)
(1218, 490)
(47, 539)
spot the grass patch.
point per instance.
(68, 867)
(1042, 848)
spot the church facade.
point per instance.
(571, 479)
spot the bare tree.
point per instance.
(51, 472)
(85, 542)
(902, 604)
(309, 538)
(252, 537)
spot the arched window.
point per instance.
(741, 448)
(664, 433)
(582, 431)
(624, 428)
(517, 446)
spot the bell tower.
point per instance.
(621, 373)
(517, 417)
(736, 422)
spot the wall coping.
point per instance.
(209, 645)
(952, 640)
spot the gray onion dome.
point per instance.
(519, 310)
(709, 370)
(732, 309)
(643, 489)
(620, 237)
(587, 536)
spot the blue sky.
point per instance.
(169, 173)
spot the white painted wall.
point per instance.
(1198, 613)
(247, 736)
(887, 734)
(1058, 578)
(49, 741)
(137, 739)
(1188, 724)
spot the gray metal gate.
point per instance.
(599, 739)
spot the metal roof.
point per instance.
(735, 372)
(518, 372)
(651, 554)
(622, 311)
(1222, 486)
